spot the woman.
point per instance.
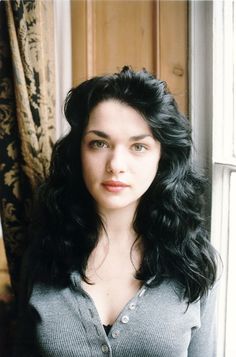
(120, 263)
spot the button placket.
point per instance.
(125, 318)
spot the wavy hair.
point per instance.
(168, 218)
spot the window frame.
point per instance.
(213, 119)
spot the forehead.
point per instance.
(114, 115)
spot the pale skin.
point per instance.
(120, 159)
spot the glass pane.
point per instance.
(231, 286)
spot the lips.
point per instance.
(114, 186)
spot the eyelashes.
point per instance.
(98, 144)
(102, 144)
(139, 147)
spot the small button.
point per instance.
(125, 319)
(132, 306)
(115, 333)
(105, 348)
(142, 292)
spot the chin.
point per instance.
(112, 206)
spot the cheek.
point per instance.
(86, 165)
(148, 172)
(91, 167)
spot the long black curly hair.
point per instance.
(168, 218)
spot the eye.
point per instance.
(98, 144)
(139, 147)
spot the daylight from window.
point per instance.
(224, 167)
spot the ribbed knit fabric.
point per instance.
(154, 323)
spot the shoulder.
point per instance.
(172, 293)
(209, 299)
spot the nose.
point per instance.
(116, 162)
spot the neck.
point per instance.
(119, 225)
(116, 241)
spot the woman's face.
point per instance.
(119, 155)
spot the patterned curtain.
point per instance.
(26, 116)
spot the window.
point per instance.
(224, 166)
(213, 108)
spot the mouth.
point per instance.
(114, 186)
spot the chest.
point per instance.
(113, 282)
(110, 297)
(153, 323)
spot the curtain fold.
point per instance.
(27, 106)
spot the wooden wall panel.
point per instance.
(173, 49)
(123, 34)
(79, 40)
(107, 34)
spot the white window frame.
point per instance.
(224, 165)
(200, 73)
(212, 100)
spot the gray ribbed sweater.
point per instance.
(155, 322)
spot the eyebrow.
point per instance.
(106, 136)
